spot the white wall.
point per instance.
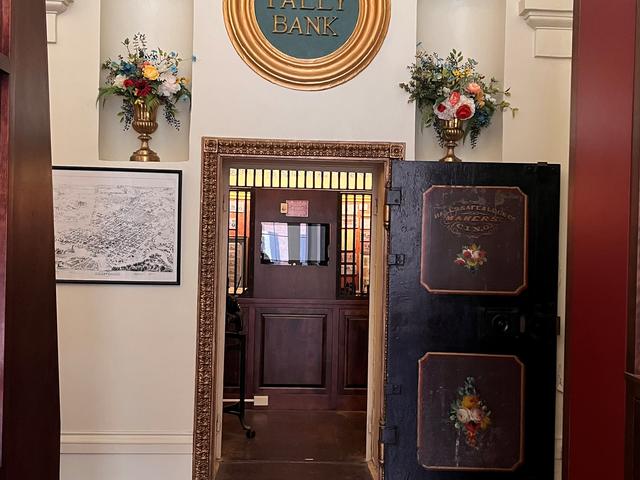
(127, 353)
(475, 28)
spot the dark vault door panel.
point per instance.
(473, 240)
(471, 363)
(482, 398)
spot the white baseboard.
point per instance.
(126, 443)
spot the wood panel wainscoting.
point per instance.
(331, 337)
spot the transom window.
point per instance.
(354, 229)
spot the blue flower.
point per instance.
(128, 68)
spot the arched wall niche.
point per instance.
(477, 29)
(168, 24)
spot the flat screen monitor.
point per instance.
(303, 244)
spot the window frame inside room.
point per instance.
(355, 186)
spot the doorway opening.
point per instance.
(298, 281)
(219, 156)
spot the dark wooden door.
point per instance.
(30, 418)
(306, 349)
(470, 387)
(294, 281)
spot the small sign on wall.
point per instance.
(295, 208)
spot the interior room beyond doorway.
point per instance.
(299, 255)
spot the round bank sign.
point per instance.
(307, 44)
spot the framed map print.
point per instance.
(117, 225)
(474, 240)
(470, 412)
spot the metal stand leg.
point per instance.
(239, 408)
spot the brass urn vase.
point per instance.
(452, 133)
(144, 122)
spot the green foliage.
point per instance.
(432, 81)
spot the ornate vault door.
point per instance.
(470, 387)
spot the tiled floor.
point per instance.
(295, 445)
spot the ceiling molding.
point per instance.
(55, 8)
(552, 25)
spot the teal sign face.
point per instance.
(307, 29)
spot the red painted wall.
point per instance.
(599, 223)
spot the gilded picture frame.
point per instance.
(321, 73)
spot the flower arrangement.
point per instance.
(145, 77)
(469, 414)
(450, 89)
(472, 257)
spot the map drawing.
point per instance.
(116, 226)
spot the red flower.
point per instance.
(463, 112)
(128, 83)
(460, 261)
(454, 98)
(442, 107)
(471, 427)
(142, 88)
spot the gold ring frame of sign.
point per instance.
(214, 152)
(307, 74)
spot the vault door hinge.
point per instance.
(394, 196)
(388, 435)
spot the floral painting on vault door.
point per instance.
(470, 412)
(470, 415)
(474, 240)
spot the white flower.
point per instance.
(464, 100)
(476, 415)
(162, 67)
(169, 85)
(444, 110)
(463, 415)
(119, 81)
(168, 77)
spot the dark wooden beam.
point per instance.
(30, 447)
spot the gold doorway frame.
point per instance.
(214, 152)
